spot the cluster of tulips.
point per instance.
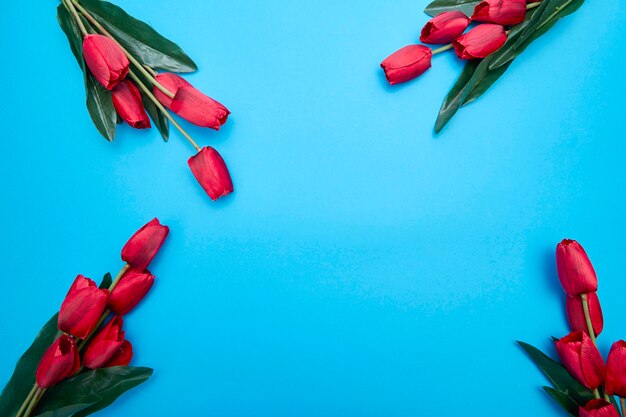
(578, 351)
(449, 28)
(87, 340)
(117, 70)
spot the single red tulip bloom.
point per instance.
(598, 408)
(189, 103)
(507, 12)
(445, 27)
(105, 344)
(576, 316)
(122, 357)
(58, 362)
(615, 379)
(128, 104)
(144, 244)
(581, 358)
(481, 41)
(130, 290)
(210, 171)
(82, 307)
(105, 59)
(576, 273)
(407, 63)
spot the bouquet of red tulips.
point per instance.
(119, 56)
(583, 384)
(78, 363)
(505, 28)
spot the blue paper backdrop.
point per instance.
(363, 267)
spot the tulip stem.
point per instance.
(68, 4)
(29, 397)
(556, 11)
(623, 404)
(163, 110)
(533, 5)
(35, 400)
(590, 330)
(131, 58)
(442, 49)
(596, 393)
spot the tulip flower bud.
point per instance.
(445, 27)
(576, 315)
(509, 12)
(144, 244)
(105, 344)
(82, 307)
(130, 290)
(128, 104)
(598, 408)
(480, 42)
(407, 63)
(581, 358)
(106, 61)
(576, 273)
(122, 357)
(189, 103)
(210, 171)
(58, 362)
(615, 379)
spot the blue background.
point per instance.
(363, 267)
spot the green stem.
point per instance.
(596, 393)
(79, 21)
(590, 330)
(556, 11)
(530, 6)
(623, 404)
(442, 49)
(38, 394)
(27, 401)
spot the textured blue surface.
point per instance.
(363, 267)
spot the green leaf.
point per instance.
(563, 400)
(440, 6)
(485, 82)
(157, 116)
(141, 40)
(107, 280)
(455, 97)
(90, 391)
(23, 378)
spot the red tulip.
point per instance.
(128, 104)
(581, 358)
(144, 244)
(105, 344)
(210, 171)
(407, 63)
(106, 61)
(82, 307)
(58, 362)
(576, 316)
(445, 27)
(576, 273)
(480, 42)
(122, 356)
(615, 379)
(130, 290)
(189, 103)
(507, 12)
(598, 408)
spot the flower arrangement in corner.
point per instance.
(505, 29)
(583, 384)
(78, 363)
(119, 56)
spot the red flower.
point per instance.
(407, 63)
(106, 61)
(58, 362)
(615, 379)
(598, 408)
(130, 290)
(105, 344)
(445, 27)
(581, 359)
(508, 12)
(189, 103)
(576, 317)
(144, 244)
(82, 307)
(210, 171)
(576, 273)
(128, 104)
(122, 356)
(479, 42)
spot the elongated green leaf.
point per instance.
(107, 280)
(563, 400)
(440, 6)
(23, 378)
(482, 85)
(90, 391)
(141, 40)
(157, 116)
(455, 97)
